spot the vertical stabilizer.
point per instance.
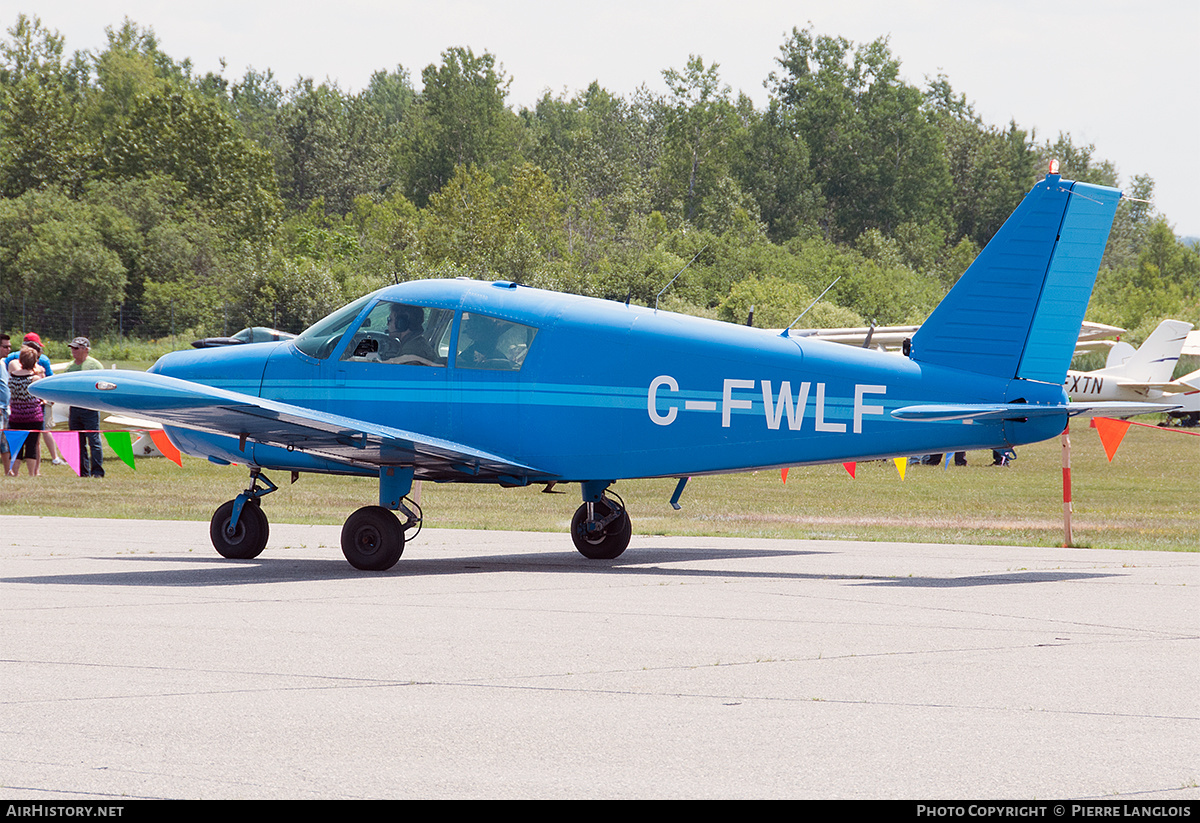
(1017, 310)
(1155, 360)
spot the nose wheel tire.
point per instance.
(248, 538)
(372, 539)
(601, 542)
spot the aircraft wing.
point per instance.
(945, 412)
(345, 440)
(888, 337)
(1181, 385)
(1092, 336)
(1174, 387)
(1089, 330)
(1191, 344)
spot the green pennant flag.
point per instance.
(122, 444)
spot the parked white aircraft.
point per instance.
(1139, 374)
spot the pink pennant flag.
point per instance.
(68, 448)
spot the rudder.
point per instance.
(1017, 310)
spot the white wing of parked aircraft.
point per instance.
(1192, 344)
(1092, 336)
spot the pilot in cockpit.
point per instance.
(406, 325)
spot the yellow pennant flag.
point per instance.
(901, 465)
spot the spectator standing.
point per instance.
(32, 339)
(86, 421)
(5, 350)
(25, 410)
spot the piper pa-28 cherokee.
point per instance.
(462, 381)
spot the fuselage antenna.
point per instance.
(676, 277)
(810, 305)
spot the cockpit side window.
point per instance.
(486, 342)
(400, 333)
(321, 338)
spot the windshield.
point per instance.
(321, 338)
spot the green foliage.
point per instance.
(1164, 282)
(875, 151)
(508, 231)
(168, 201)
(460, 119)
(41, 142)
(52, 255)
(289, 294)
(701, 126)
(777, 303)
(333, 148)
(180, 135)
(991, 169)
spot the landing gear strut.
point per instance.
(373, 538)
(239, 529)
(600, 528)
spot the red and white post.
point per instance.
(1066, 469)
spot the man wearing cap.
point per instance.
(86, 421)
(32, 339)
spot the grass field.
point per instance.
(1144, 499)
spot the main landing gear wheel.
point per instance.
(372, 539)
(606, 534)
(248, 538)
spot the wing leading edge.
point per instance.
(342, 440)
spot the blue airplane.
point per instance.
(465, 381)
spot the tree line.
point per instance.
(139, 196)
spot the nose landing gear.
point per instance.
(239, 529)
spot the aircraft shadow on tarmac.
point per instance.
(189, 571)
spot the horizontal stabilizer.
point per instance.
(946, 412)
(1174, 387)
(1191, 380)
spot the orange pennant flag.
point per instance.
(1111, 433)
(849, 467)
(901, 465)
(783, 473)
(164, 444)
